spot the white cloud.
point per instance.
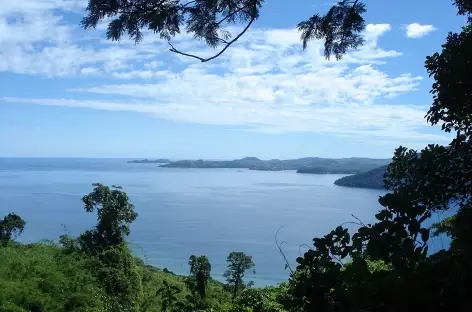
(324, 86)
(154, 65)
(416, 30)
(265, 82)
(90, 71)
(375, 122)
(31, 6)
(374, 31)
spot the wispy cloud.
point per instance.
(375, 121)
(266, 82)
(416, 30)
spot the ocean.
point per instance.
(187, 211)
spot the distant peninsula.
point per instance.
(147, 161)
(314, 165)
(371, 179)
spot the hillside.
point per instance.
(302, 165)
(45, 277)
(371, 179)
(97, 272)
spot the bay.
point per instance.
(187, 211)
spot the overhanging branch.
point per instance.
(231, 14)
(228, 44)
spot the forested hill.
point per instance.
(302, 165)
(370, 179)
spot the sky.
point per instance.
(68, 92)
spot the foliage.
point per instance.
(46, 277)
(238, 264)
(464, 8)
(458, 228)
(259, 300)
(383, 265)
(40, 277)
(452, 89)
(114, 215)
(115, 267)
(11, 226)
(154, 279)
(340, 28)
(206, 20)
(118, 275)
(200, 269)
(445, 226)
(168, 294)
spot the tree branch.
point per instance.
(173, 49)
(186, 4)
(279, 246)
(231, 14)
(351, 222)
(221, 40)
(300, 246)
(357, 217)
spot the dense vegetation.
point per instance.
(302, 165)
(383, 266)
(373, 179)
(44, 277)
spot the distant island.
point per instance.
(147, 161)
(268, 168)
(244, 163)
(328, 170)
(314, 165)
(371, 179)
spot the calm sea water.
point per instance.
(187, 211)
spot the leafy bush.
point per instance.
(40, 277)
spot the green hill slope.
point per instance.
(371, 179)
(44, 277)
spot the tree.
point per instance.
(114, 264)
(437, 178)
(10, 228)
(205, 19)
(168, 294)
(114, 216)
(200, 269)
(238, 264)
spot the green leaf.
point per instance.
(424, 234)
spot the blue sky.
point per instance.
(65, 92)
